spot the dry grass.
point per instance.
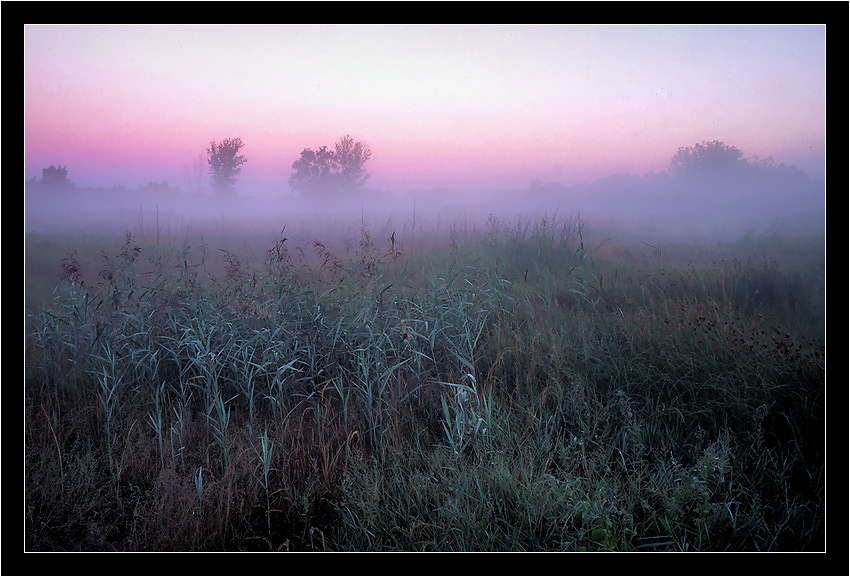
(520, 387)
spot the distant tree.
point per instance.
(351, 158)
(157, 189)
(55, 177)
(707, 159)
(339, 170)
(225, 165)
(314, 171)
(713, 162)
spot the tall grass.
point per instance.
(523, 386)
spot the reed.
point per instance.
(527, 384)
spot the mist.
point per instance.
(333, 288)
(461, 119)
(649, 208)
(467, 124)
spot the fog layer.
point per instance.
(651, 207)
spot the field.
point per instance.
(522, 384)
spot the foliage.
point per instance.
(514, 389)
(225, 164)
(55, 178)
(339, 170)
(717, 161)
(707, 158)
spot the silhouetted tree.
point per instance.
(314, 171)
(324, 170)
(707, 159)
(225, 165)
(55, 177)
(713, 162)
(351, 158)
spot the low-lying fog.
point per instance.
(648, 208)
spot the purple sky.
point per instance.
(464, 107)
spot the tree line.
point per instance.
(325, 170)
(342, 169)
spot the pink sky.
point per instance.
(462, 107)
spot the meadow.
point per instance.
(523, 384)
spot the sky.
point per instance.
(464, 107)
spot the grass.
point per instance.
(520, 386)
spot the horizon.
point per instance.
(469, 108)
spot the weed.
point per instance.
(524, 386)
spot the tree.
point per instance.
(314, 171)
(225, 165)
(707, 159)
(351, 158)
(339, 170)
(55, 177)
(714, 162)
